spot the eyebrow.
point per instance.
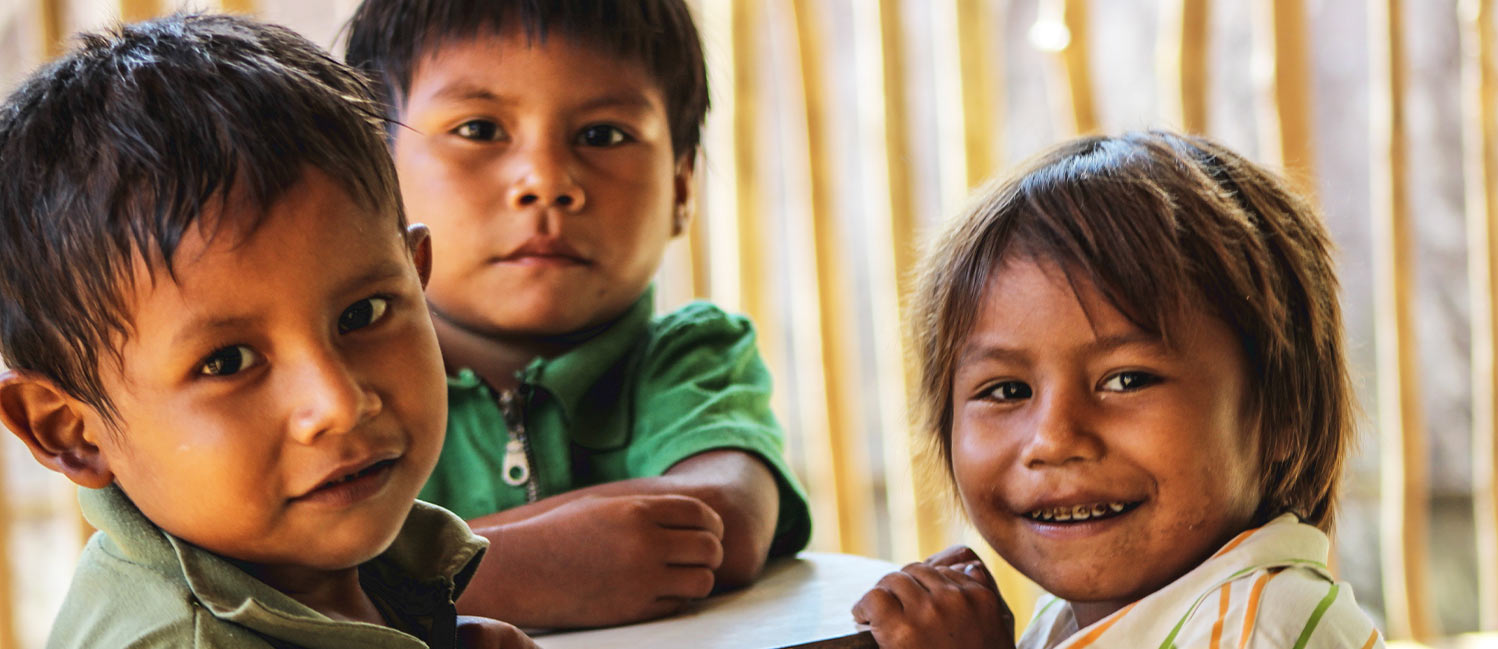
(979, 351)
(462, 91)
(194, 328)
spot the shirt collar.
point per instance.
(569, 375)
(434, 550)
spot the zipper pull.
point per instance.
(517, 467)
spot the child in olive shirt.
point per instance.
(622, 463)
(212, 308)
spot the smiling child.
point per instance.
(1131, 361)
(213, 312)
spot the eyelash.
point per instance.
(213, 365)
(1141, 380)
(494, 133)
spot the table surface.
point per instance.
(795, 601)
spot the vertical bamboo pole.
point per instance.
(720, 171)
(826, 348)
(1403, 516)
(1184, 44)
(981, 61)
(1282, 50)
(50, 13)
(8, 597)
(1480, 148)
(240, 6)
(880, 116)
(137, 10)
(1061, 28)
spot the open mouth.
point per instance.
(366, 471)
(1081, 513)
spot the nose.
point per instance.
(1063, 430)
(328, 398)
(545, 178)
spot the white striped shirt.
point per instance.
(1267, 588)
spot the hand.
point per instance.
(948, 600)
(601, 561)
(486, 633)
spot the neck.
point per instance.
(336, 594)
(495, 358)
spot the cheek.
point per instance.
(977, 465)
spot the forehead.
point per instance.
(231, 257)
(1029, 301)
(517, 66)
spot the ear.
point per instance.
(681, 214)
(419, 239)
(51, 424)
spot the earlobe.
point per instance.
(419, 239)
(681, 215)
(52, 425)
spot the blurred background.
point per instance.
(841, 130)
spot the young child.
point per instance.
(621, 463)
(213, 312)
(1131, 362)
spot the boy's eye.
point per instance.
(363, 313)
(1127, 381)
(601, 135)
(481, 130)
(227, 361)
(1010, 391)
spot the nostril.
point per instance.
(529, 199)
(564, 200)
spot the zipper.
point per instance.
(518, 458)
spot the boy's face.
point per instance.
(546, 173)
(282, 400)
(1061, 405)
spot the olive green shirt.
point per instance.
(635, 397)
(137, 586)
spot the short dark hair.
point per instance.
(387, 39)
(1160, 222)
(112, 152)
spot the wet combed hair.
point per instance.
(1161, 223)
(388, 40)
(111, 153)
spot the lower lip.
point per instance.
(543, 261)
(353, 491)
(1065, 531)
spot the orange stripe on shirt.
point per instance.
(1372, 637)
(1093, 634)
(1253, 606)
(1222, 613)
(1234, 543)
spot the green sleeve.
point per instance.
(702, 386)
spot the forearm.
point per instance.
(525, 580)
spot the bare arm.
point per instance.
(628, 550)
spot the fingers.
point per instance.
(486, 633)
(689, 548)
(681, 512)
(952, 556)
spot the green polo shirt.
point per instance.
(137, 586)
(634, 398)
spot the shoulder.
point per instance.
(113, 602)
(1300, 603)
(700, 319)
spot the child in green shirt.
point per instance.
(212, 310)
(622, 463)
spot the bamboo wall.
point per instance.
(841, 129)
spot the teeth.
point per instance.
(1077, 512)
